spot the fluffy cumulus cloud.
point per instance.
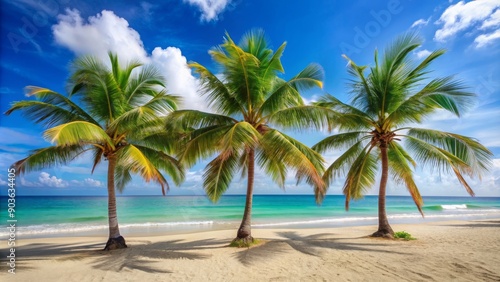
(92, 182)
(210, 9)
(180, 81)
(51, 181)
(486, 39)
(422, 53)
(100, 34)
(483, 15)
(108, 32)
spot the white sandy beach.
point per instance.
(443, 251)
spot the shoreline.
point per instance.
(174, 228)
(459, 250)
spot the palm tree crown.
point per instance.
(120, 119)
(249, 99)
(394, 95)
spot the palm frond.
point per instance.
(203, 145)
(402, 172)
(50, 109)
(311, 76)
(283, 95)
(132, 159)
(255, 42)
(240, 136)
(77, 132)
(149, 113)
(440, 159)
(418, 73)
(97, 87)
(97, 156)
(143, 84)
(241, 72)
(467, 149)
(343, 163)
(339, 141)
(122, 75)
(274, 65)
(219, 174)
(185, 119)
(302, 117)
(344, 116)
(361, 175)
(122, 177)
(218, 95)
(307, 163)
(48, 157)
(164, 162)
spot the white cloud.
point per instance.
(180, 81)
(103, 32)
(2, 182)
(51, 181)
(462, 16)
(107, 32)
(420, 22)
(210, 9)
(486, 39)
(92, 182)
(492, 21)
(423, 53)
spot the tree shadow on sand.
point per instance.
(140, 255)
(483, 223)
(312, 245)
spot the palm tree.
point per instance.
(249, 100)
(386, 102)
(121, 120)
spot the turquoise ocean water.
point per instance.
(47, 216)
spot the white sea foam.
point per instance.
(396, 217)
(64, 228)
(454, 207)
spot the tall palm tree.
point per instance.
(121, 120)
(386, 103)
(249, 100)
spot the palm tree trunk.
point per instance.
(245, 231)
(384, 229)
(115, 241)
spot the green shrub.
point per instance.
(242, 243)
(403, 235)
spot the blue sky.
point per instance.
(41, 38)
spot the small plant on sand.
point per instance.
(403, 235)
(239, 243)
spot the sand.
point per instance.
(443, 251)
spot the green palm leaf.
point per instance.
(48, 157)
(301, 117)
(219, 173)
(77, 132)
(361, 175)
(51, 108)
(469, 150)
(307, 163)
(402, 172)
(133, 159)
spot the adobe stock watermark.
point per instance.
(11, 221)
(31, 25)
(487, 85)
(364, 35)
